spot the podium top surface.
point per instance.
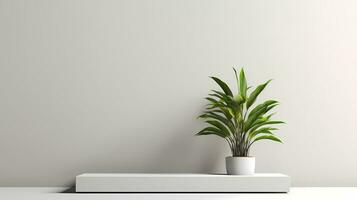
(97, 175)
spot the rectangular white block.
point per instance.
(182, 183)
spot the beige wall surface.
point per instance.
(116, 86)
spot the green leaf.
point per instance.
(223, 111)
(213, 101)
(220, 126)
(228, 100)
(252, 118)
(211, 131)
(239, 117)
(258, 112)
(222, 96)
(265, 104)
(258, 125)
(237, 79)
(215, 105)
(269, 116)
(223, 85)
(253, 96)
(242, 84)
(267, 137)
(223, 120)
(273, 122)
(265, 130)
(239, 99)
(231, 112)
(271, 107)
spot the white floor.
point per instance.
(313, 193)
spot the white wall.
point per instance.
(115, 86)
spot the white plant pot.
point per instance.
(240, 165)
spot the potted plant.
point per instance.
(233, 117)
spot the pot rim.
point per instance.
(240, 157)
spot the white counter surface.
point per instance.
(62, 193)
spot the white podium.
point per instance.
(130, 182)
